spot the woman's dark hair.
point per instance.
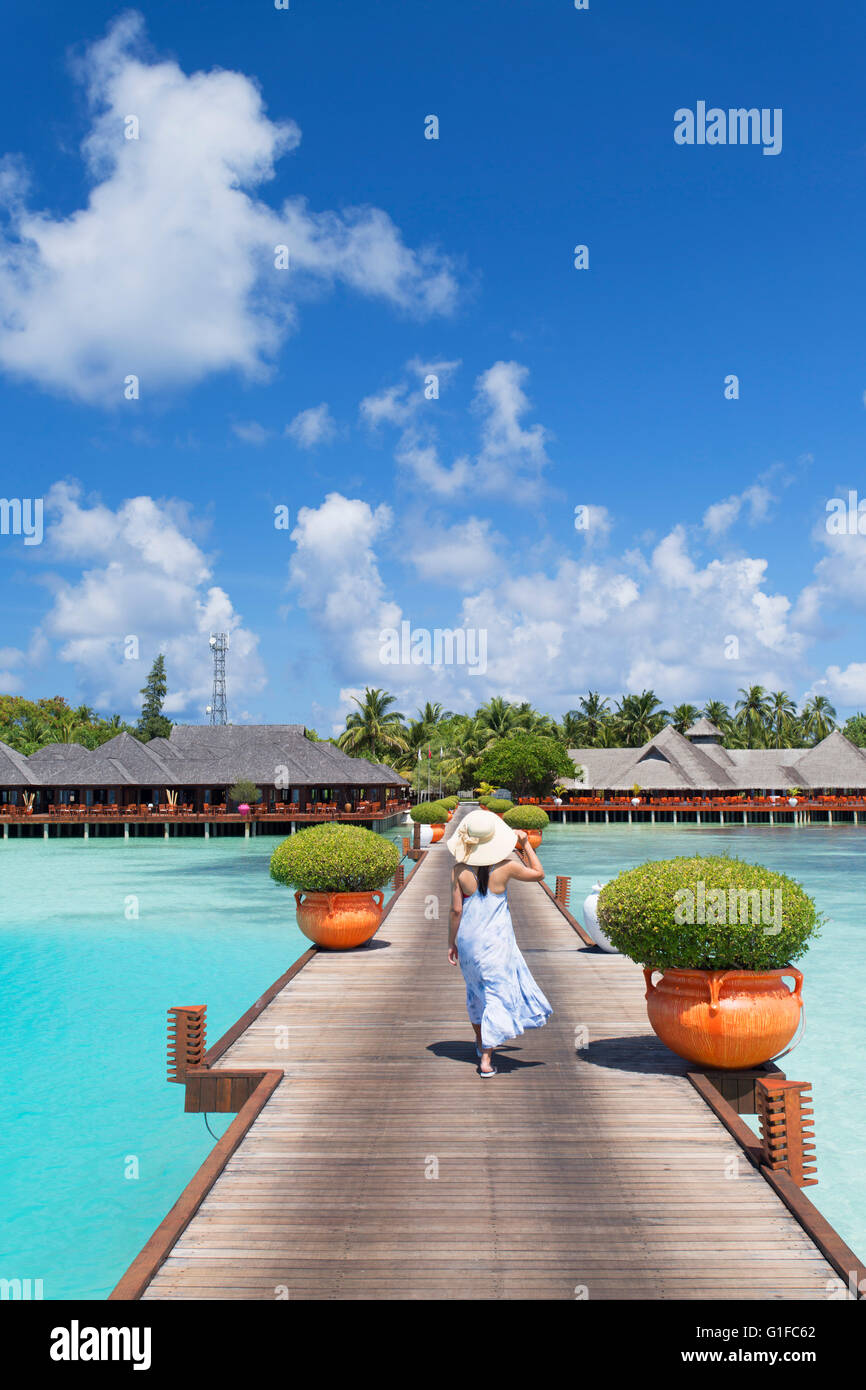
(482, 873)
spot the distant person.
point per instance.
(502, 998)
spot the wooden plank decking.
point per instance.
(598, 1172)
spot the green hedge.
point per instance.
(497, 804)
(429, 813)
(335, 859)
(527, 818)
(452, 802)
(653, 914)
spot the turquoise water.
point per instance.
(830, 862)
(95, 1147)
(84, 989)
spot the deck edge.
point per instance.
(822, 1235)
(156, 1251)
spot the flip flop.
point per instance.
(485, 1074)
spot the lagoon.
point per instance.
(96, 1146)
(830, 862)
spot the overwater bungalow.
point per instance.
(191, 774)
(693, 770)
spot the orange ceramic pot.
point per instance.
(534, 837)
(725, 1019)
(339, 921)
(438, 832)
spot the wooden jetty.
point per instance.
(371, 1161)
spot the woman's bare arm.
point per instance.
(454, 916)
(528, 869)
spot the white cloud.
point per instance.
(168, 271)
(660, 620)
(845, 686)
(336, 575)
(462, 554)
(506, 453)
(251, 432)
(756, 499)
(312, 427)
(143, 578)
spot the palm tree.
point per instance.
(682, 717)
(466, 740)
(638, 718)
(717, 712)
(818, 717)
(753, 714)
(33, 733)
(529, 718)
(782, 718)
(497, 718)
(375, 729)
(571, 729)
(595, 714)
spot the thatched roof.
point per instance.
(704, 728)
(199, 755)
(670, 762)
(14, 771)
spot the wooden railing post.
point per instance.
(786, 1115)
(187, 1033)
(563, 889)
(399, 877)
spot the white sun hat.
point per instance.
(482, 838)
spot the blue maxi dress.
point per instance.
(501, 994)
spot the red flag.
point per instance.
(429, 754)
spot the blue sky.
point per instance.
(304, 388)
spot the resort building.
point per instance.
(193, 770)
(695, 764)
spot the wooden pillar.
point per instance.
(187, 1039)
(786, 1115)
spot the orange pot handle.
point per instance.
(797, 977)
(648, 976)
(299, 897)
(377, 893)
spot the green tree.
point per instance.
(496, 718)
(782, 719)
(374, 730)
(753, 715)
(639, 718)
(855, 729)
(717, 712)
(819, 718)
(596, 716)
(245, 791)
(153, 723)
(526, 763)
(682, 717)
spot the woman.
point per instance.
(502, 998)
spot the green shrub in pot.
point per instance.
(708, 913)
